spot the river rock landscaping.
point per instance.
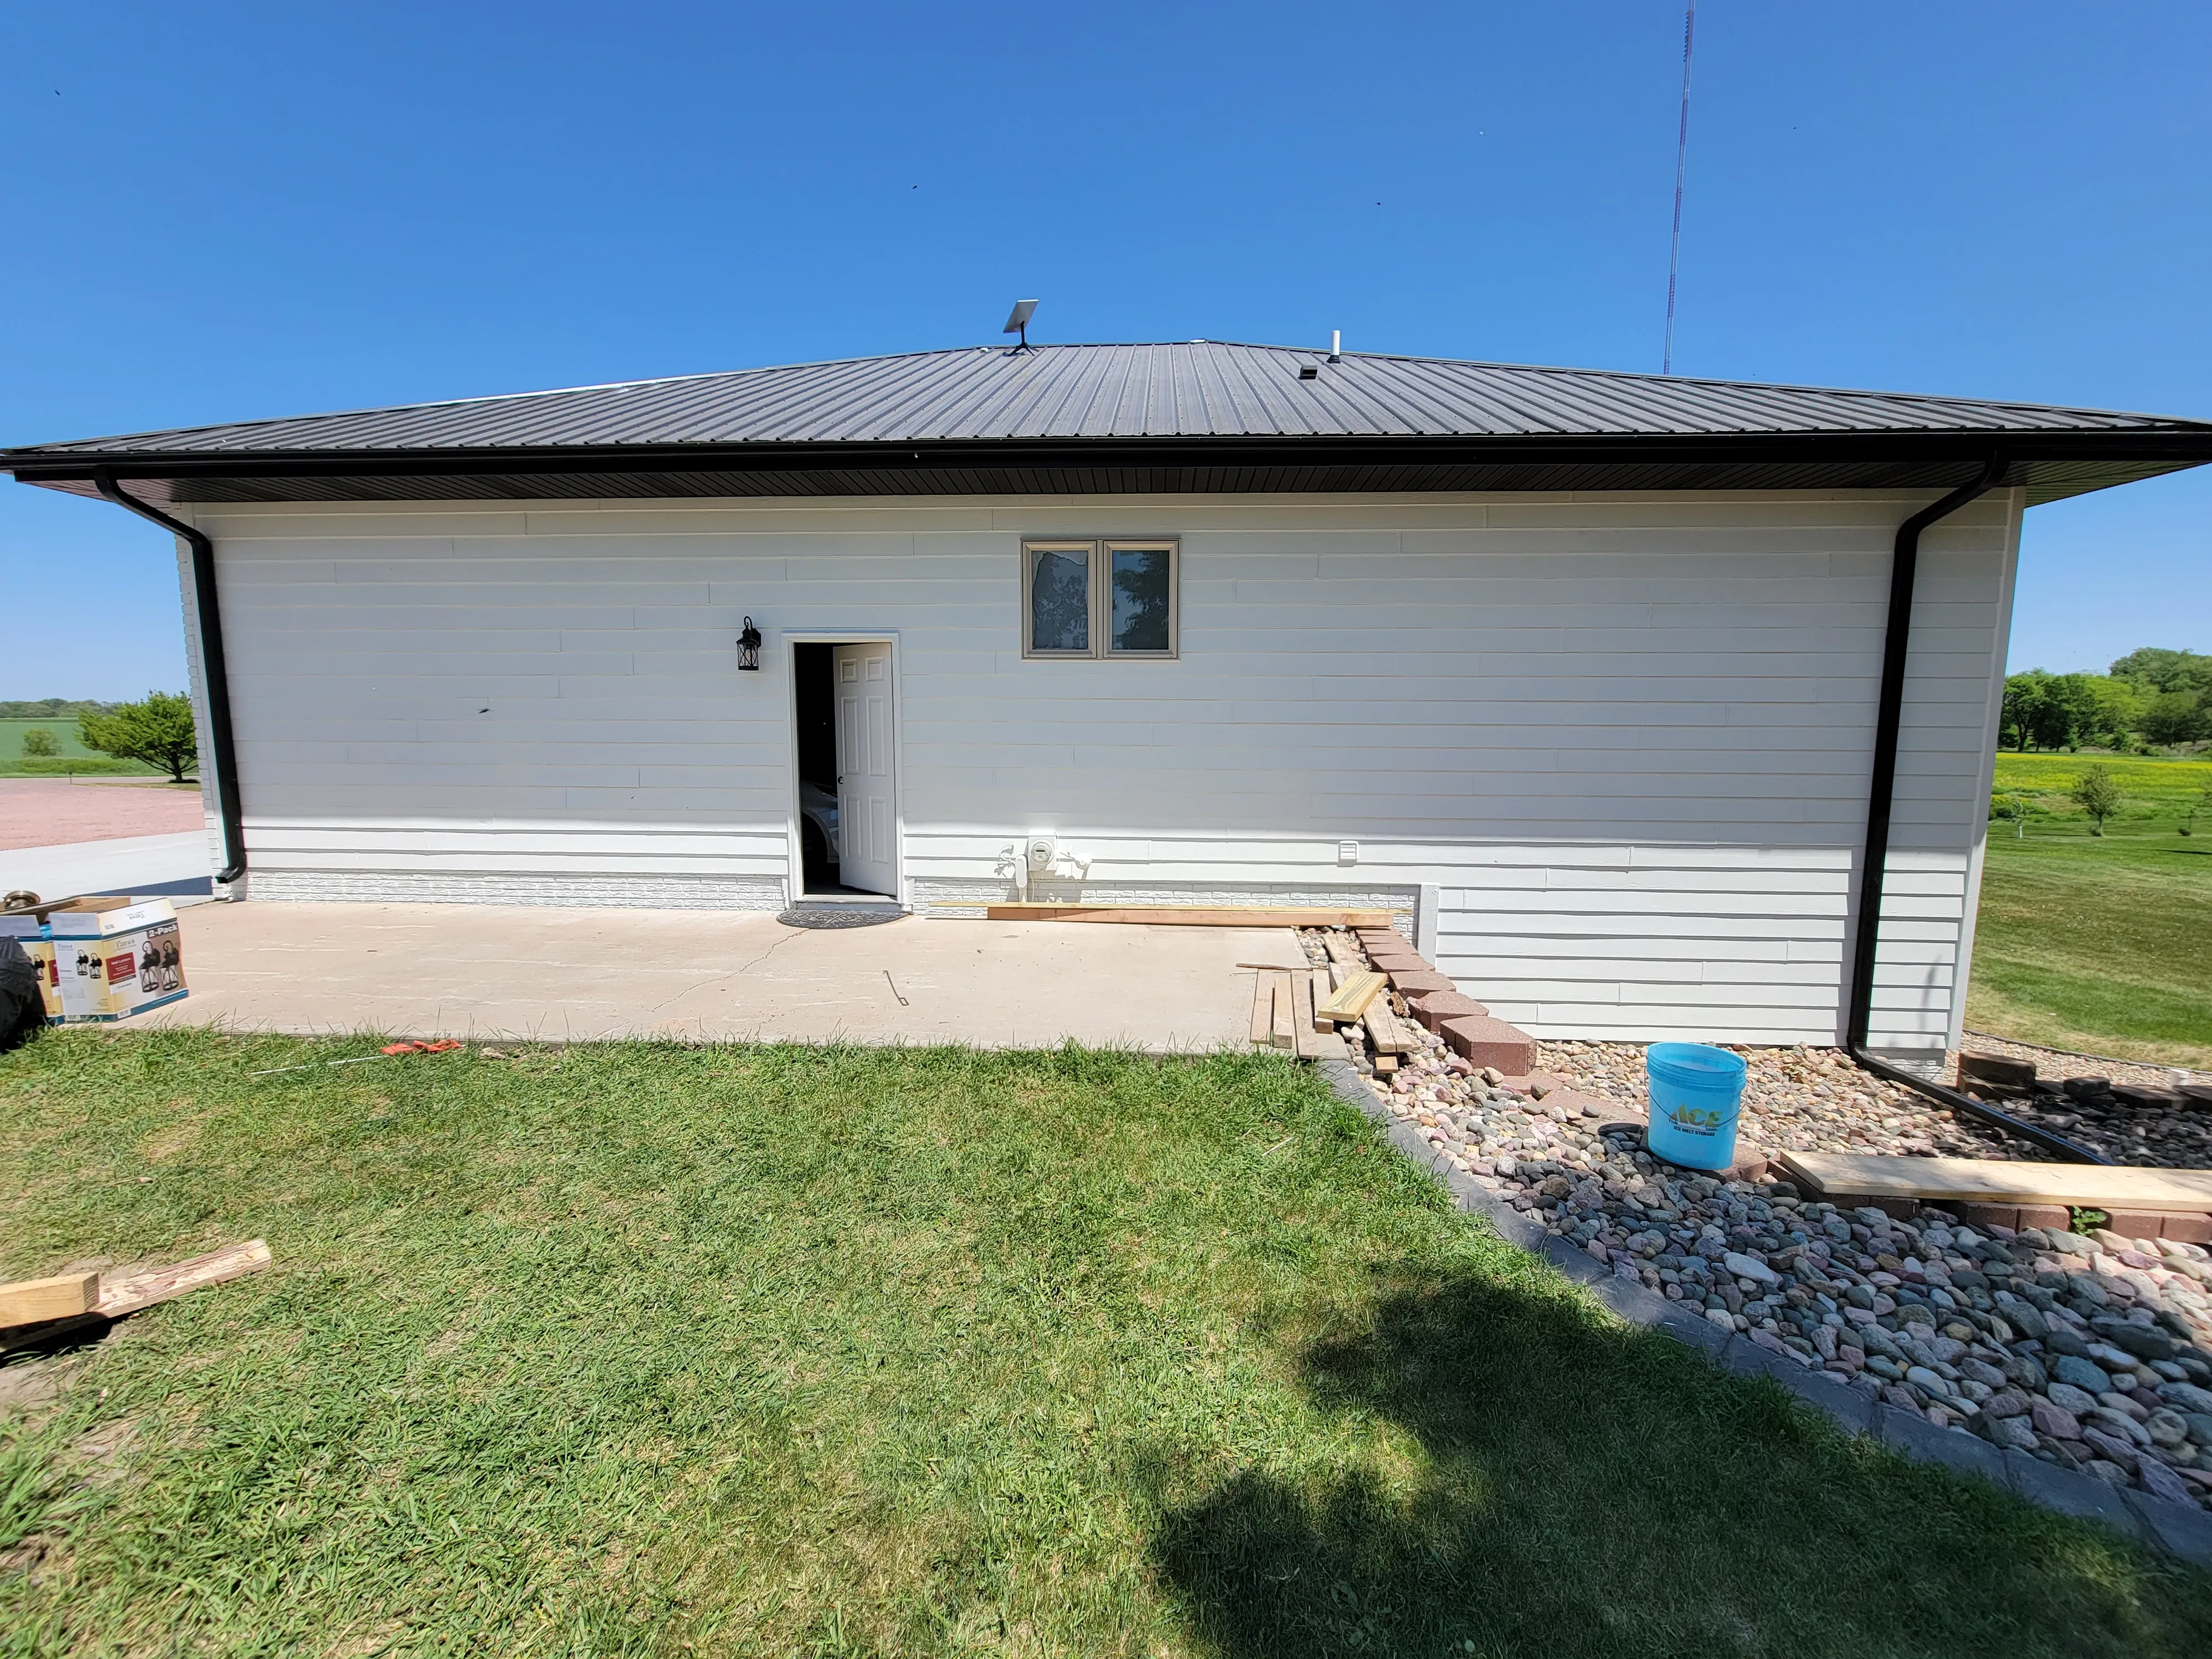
(2129, 1112)
(2089, 1351)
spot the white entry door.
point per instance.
(867, 817)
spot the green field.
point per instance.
(74, 757)
(636, 1349)
(2099, 943)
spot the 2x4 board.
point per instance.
(1995, 1180)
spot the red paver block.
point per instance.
(1380, 954)
(2015, 1216)
(2182, 1227)
(1897, 1209)
(1412, 981)
(1488, 1042)
(1432, 1008)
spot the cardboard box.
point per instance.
(116, 977)
(41, 953)
(102, 958)
(31, 920)
(105, 918)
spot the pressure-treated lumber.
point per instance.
(29, 1300)
(1188, 915)
(1994, 1181)
(1282, 1016)
(1302, 1015)
(1352, 997)
(1383, 1028)
(1263, 1008)
(119, 1297)
(128, 1296)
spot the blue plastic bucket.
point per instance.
(1696, 1093)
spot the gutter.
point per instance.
(1892, 457)
(214, 676)
(1881, 795)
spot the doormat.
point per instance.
(838, 915)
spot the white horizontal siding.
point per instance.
(1626, 737)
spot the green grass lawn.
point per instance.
(74, 755)
(2099, 943)
(642, 1350)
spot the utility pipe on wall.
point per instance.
(1889, 719)
(215, 676)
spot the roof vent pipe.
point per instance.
(1336, 345)
(1889, 715)
(214, 677)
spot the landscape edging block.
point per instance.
(2186, 1532)
(2183, 1532)
(2069, 1493)
(1924, 1443)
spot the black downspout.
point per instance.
(1889, 718)
(215, 676)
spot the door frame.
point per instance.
(795, 880)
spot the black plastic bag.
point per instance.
(22, 1006)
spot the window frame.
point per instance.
(1099, 552)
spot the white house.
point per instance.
(1583, 672)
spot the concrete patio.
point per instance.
(432, 970)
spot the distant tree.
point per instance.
(2025, 715)
(2178, 717)
(39, 741)
(2157, 670)
(2096, 793)
(158, 731)
(2202, 803)
(2014, 808)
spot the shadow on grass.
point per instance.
(1583, 1488)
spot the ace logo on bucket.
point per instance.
(1699, 1120)
(1696, 1093)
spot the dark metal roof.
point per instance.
(1196, 416)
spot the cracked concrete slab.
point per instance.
(436, 970)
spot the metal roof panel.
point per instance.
(1194, 389)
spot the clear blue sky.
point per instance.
(232, 210)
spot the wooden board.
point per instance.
(1994, 1181)
(121, 1297)
(1187, 915)
(1263, 1008)
(1351, 999)
(1382, 1030)
(1302, 1015)
(1281, 1017)
(1385, 1065)
(127, 1296)
(29, 1300)
(1340, 950)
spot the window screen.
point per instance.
(1059, 599)
(1144, 598)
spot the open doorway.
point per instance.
(847, 805)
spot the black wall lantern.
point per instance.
(749, 644)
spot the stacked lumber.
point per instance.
(1188, 915)
(1284, 1016)
(1381, 992)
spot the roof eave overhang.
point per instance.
(2049, 463)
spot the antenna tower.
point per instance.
(1681, 156)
